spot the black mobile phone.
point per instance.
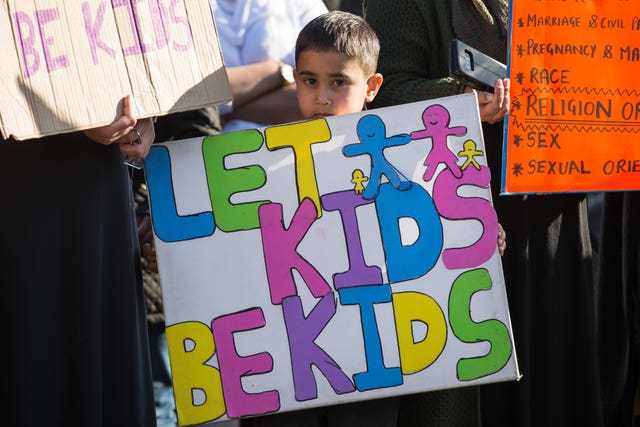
(474, 68)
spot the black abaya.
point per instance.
(73, 320)
(618, 306)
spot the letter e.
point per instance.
(233, 367)
(223, 183)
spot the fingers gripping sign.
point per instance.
(134, 137)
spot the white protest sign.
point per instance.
(329, 261)
(67, 65)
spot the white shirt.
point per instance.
(250, 31)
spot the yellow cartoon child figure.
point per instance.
(470, 152)
(357, 177)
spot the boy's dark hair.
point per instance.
(341, 32)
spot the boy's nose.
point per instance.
(323, 97)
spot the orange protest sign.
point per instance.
(574, 124)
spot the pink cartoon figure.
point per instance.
(436, 126)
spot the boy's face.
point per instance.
(331, 83)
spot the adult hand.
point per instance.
(119, 128)
(134, 137)
(137, 142)
(494, 106)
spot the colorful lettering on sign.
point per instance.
(361, 287)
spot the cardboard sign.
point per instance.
(575, 118)
(329, 261)
(67, 65)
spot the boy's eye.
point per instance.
(309, 81)
(340, 83)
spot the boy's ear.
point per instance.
(373, 86)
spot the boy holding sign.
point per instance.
(336, 60)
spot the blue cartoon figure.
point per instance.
(436, 126)
(372, 134)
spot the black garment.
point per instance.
(619, 306)
(188, 124)
(365, 413)
(352, 6)
(548, 273)
(73, 321)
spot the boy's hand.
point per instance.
(502, 240)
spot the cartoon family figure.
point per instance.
(371, 131)
(373, 140)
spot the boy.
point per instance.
(336, 60)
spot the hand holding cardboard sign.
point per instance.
(96, 52)
(118, 129)
(137, 142)
(134, 137)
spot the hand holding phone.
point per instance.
(474, 68)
